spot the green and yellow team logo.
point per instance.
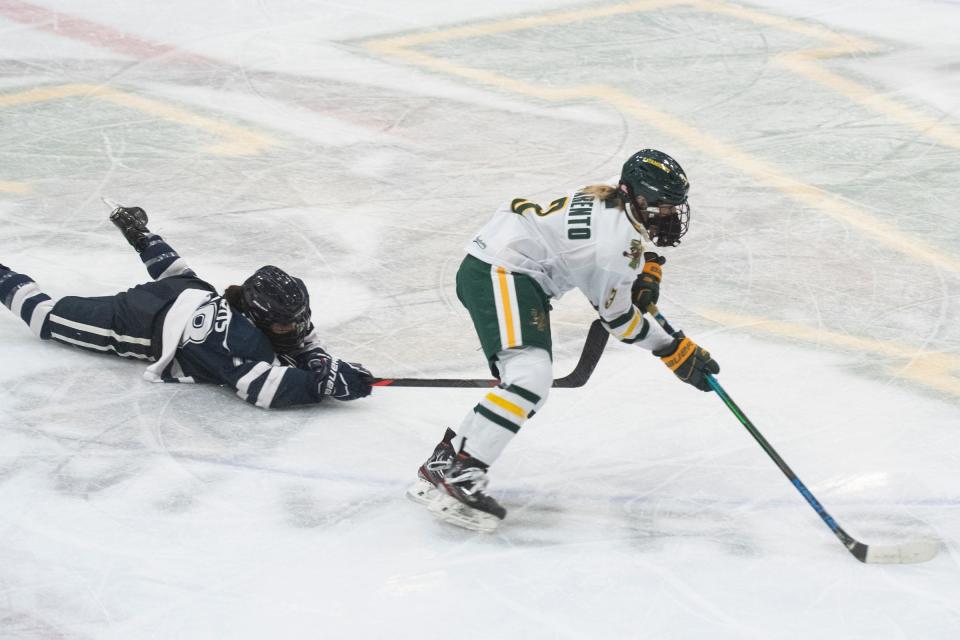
(635, 253)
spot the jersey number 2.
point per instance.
(519, 205)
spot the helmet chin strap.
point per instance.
(630, 208)
(639, 226)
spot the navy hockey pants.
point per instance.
(129, 324)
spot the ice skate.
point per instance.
(132, 222)
(430, 473)
(464, 502)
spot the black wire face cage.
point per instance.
(286, 342)
(664, 223)
(283, 342)
(667, 224)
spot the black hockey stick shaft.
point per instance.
(592, 350)
(858, 549)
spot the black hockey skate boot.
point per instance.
(132, 222)
(466, 504)
(430, 473)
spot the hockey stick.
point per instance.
(592, 350)
(909, 552)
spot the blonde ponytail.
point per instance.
(601, 192)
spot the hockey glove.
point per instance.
(689, 362)
(646, 288)
(346, 380)
(311, 359)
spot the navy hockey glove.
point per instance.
(646, 288)
(689, 362)
(346, 381)
(339, 379)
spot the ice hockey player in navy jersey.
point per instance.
(256, 338)
(598, 239)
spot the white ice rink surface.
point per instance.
(358, 145)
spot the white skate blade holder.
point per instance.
(451, 510)
(422, 492)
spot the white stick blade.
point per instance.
(907, 553)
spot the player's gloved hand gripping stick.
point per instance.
(909, 552)
(341, 380)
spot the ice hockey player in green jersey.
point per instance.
(599, 239)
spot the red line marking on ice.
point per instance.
(93, 33)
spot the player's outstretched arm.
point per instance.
(274, 386)
(338, 379)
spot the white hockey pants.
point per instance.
(526, 374)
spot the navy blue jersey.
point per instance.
(178, 323)
(205, 340)
(219, 345)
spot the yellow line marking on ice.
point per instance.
(237, 140)
(391, 44)
(507, 405)
(763, 172)
(19, 188)
(935, 369)
(804, 63)
(808, 29)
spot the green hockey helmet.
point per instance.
(655, 187)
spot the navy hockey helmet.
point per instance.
(271, 296)
(656, 189)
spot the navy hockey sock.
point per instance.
(23, 297)
(162, 261)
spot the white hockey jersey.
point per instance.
(577, 241)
